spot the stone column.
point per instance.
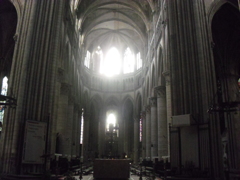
(121, 135)
(62, 124)
(86, 138)
(32, 79)
(101, 135)
(231, 95)
(69, 127)
(78, 124)
(162, 122)
(126, 139)
(148, 131)
(136, 139)
(143, 134)
(75, 131)
(154, 127)
(169, 107)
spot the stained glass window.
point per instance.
(81, 128)
(140, 130)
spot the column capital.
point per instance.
(161, 91)
(153, 101)
(166, 74)
(148, 109)
(143, 114)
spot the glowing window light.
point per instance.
(112, 63)
(128, 61)
(111, 120)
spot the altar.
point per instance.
(111, 169)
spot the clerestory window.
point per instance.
(128, 61)
(87, 59)
(112, 63)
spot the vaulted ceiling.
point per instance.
(118, 23)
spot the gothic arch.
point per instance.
(215, 7)
(127, 97)
(18, 6)
(112, 100)
(8, 23)
(97, 102)
(225, 28)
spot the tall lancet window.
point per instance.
(140, 129)
(81, 127)
(87, 59)
(112, 63)
(3, 92)
(97, 59)
(139, 60)
(128, 61)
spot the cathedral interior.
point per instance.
(148, 81)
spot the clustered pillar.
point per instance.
(136, 139)
(148, 132)
(154, 127)
(155, 135)
(162, 122)
(143, 134)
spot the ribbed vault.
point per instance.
(119, 23)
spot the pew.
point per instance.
(111, 169)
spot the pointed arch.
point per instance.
(127, 97)
(225, 28)
(112, 100)
(214, 7)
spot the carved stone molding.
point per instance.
(153, 101)
(143, 114)
(148, 109)
(166, 74)
(65, 88)
(161, 91)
